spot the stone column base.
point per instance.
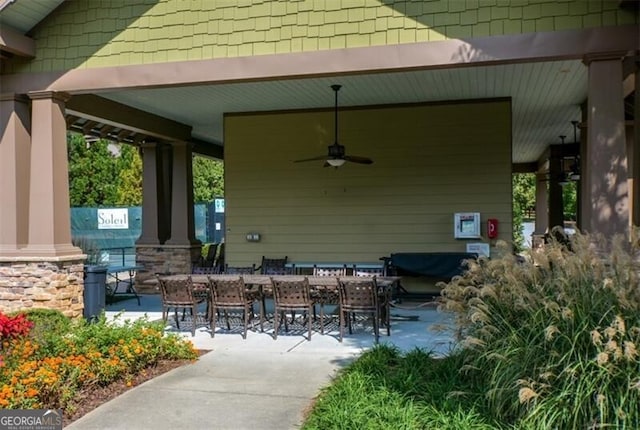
(43, 284)
(162, 259)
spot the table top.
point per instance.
(257, 279)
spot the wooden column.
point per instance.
(15, 147)
(49, 214)
(182, 224)
(150, 193)
(606, 189)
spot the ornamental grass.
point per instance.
(46, 359)
(552, 341)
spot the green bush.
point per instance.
(553, 341)
(58, 358)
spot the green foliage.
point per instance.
(553, 341)
(129, 177)
(93, 172)
(570, 201)
(208, 179)
(60, 358)
(524, 204)
(384, 389)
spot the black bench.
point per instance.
(439, 266)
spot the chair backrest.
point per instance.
(219, 261)
(176, 292)
(360, 295)
(213, 270)
(330, 271)
(228, 292)
(274, 266)
(291, 293)
(211, 255)
(367, 272)
(240, 270)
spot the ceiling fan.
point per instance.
(336, 156)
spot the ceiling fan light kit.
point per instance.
(336, 156)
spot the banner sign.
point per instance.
(113, 219)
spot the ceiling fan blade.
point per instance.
(357, 159)
(319, 157)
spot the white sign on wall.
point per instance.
(113, 219)
(219, 205)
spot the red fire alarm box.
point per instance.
(492, 228)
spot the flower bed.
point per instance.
(46, 360)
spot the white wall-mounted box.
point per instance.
(466, 225)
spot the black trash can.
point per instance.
(95, 280)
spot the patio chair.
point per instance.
(210, 257)
(274, 266)
(291, 296)
(230, 294)
(179, 294)
(367, 272)
(239, 270)
(327, 295)
(211, 270)
(359, 296)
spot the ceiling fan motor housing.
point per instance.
(336, 151)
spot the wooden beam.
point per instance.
(207, 149)
(524, 167)
(15, 43)
(122, 116)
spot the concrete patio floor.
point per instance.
(257, 383)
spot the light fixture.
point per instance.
(336, 162)
(564, 180)
(574, 175)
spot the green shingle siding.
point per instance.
(122, 32)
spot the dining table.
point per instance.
(258, 282)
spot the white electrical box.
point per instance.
(466, 225)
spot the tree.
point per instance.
(208, 179)
(129, 177)
(524, 204)
(93, 172)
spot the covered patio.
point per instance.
(447, 120)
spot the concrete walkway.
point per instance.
(258, 383)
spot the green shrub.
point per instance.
(553, 341)
(48, 367)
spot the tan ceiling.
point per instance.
(546, 97)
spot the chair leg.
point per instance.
(226, 318)
(246, 322)
(194, 320)
(212, 320)
(376, 330)
(286, 324)
(276, 324)
(341, 323)
(175, 311)
(309, 320)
